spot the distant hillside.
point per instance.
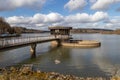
(25, 30)
(90, 30)
(117, 31)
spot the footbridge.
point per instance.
(11, 43)
(58, 34)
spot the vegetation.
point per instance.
(27, 73)
(117, 31)
(5, 28)
(102, 31)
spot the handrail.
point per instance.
(6, 42)
(22, 40)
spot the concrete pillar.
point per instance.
(33, 50)
(59, 42)
(56, 43)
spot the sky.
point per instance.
(41, 14)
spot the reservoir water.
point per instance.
(94, 62)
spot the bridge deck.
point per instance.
(16, 42)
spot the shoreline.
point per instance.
(26, 72)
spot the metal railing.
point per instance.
(4, 42)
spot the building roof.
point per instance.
(60, 27)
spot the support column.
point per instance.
(56, 43)
(33, 50)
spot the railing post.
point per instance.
(33, 50)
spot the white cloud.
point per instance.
(49, 18)
(112, 23)
(40, 25)
(19, 20)
(75, 4)
(113, 20)
(103, 4)
(112, 26)
(83, 20)
(86, 18)
(98, 16)
(36, 20)
(13, 4)
(54, 19)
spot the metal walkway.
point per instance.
(21, 41)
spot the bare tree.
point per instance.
(4, 26)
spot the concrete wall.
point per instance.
(81, 44)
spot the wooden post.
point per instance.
(33, 50)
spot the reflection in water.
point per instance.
(105, 63)
(94, 62)
(13, 56)
(85, 64)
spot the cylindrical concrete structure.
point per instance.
(82, 44)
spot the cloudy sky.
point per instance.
(39, 14)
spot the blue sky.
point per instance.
(40, 14)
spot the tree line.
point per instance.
(5, 28)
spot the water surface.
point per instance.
(94, 62)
